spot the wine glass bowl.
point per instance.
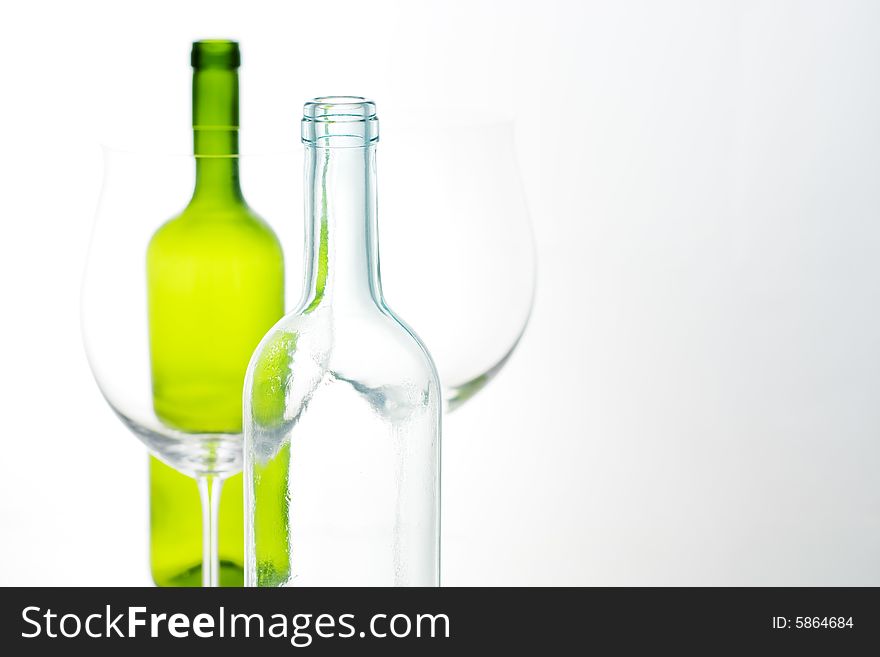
(458, 257)
(141, 192)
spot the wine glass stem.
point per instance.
(209, 490)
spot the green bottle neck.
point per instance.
(215, 136)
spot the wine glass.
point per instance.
(140, 193)
(458, 256)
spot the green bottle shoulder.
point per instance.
(201, 227)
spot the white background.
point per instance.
(696, 398)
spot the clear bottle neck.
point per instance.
(342, 270)
(342, 256)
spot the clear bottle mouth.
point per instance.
(340, 122)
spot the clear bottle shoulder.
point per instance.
(309, 352)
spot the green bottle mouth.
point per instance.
(216, 53)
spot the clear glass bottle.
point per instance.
(341, 401)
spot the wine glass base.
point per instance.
(231, 576)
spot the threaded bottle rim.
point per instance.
(340, 121)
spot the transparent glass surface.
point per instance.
(175, 297)
(342, 401)
(457, 264)
(458, 258)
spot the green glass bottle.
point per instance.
(215, 278)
